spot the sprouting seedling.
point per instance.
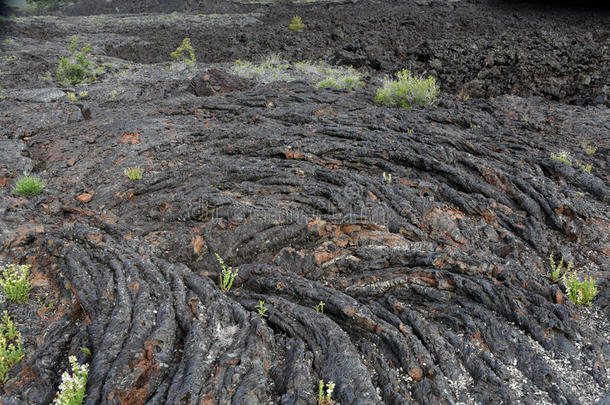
(322, 398)
(227, 276)
(319, 307)
(556, 269)
(262, 309)
(387, 177)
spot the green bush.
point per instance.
(407, 91)
(296, 24)
(180, 53)
(580, 291)
(29, 185)
(75, 68)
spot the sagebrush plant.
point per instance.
(29, 185)
(180, 54)
(133, 173)
(15, 281)
(262, 309)
(72, 390)
(325, 399)
(296, 24)
(272, 69)
(580, 292)
(227, 276)
(346, 80)
(556, 269)
(76, 68)
(407, 91)
(10, 346)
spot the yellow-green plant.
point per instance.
(227, 276)
(387, 178)
(556, 269)
(15, 281)
(180, 54)
(296, 24)
(75, 68)
(72, 387)
(407, 91)
(580, 292)
(133, 173)
(262, 309)
(584, 167)
(29, 185)
(325, 399)
(10, 346)
(319, 307)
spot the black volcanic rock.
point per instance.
(435, 285)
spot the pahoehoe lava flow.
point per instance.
(434, 282)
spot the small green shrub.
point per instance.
(262, 309)
(580, 291)
(75, 68)
(10, 346)
(407, 91)
(15, 281)
(325, 399)
(185, 48)
(227, 276)
(29, 185)
(296, 24)
(133, 173)
(556, 269)
(72, 387)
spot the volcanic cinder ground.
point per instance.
(436, 285)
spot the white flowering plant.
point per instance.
(580, 292)
(326, 399)
(72, 387)
(227, 276)
(10, 346)
(15, 282)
